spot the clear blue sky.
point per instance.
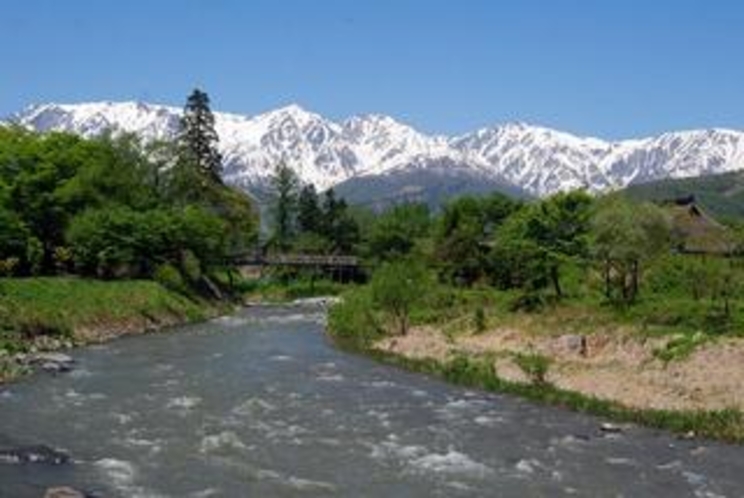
(614, 68)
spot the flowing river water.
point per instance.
(260, 404)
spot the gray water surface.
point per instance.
(260, 404)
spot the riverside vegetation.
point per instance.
(589, 303)
(109, 235)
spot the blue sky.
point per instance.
(613, 69)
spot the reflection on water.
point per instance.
(259, 404)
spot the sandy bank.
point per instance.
(617, 365)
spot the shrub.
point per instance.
(396, 287)
(535, 367)
(479, 320)
(191, 266)
(352, 321)
(169, 277)
(8, 266)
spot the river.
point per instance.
(261, 404)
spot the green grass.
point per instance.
(57, 306)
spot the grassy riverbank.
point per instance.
(59, 312)
(628, 369)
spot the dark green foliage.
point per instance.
(13, 242)
(396, 232)
(198, 140)
(479, 320)
(169, 277)
(465, 228)
(121, 242)
(533, 246)
(301, 224)
(284, 185)
(112, 207)
(309, 214)
(338, 226)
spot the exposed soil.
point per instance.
(616, 365)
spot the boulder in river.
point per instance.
(610, 428)
(37, 454)
(52, 362)
(64, 492)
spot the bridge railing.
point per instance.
(295, 260)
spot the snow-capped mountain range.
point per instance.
(540, 161)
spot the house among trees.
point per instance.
(695, 231)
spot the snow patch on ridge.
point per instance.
(539, 160)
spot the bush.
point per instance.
(535, 367)
(352, 321)
(680, 347)
(169, 277)
(191, 266)
(528, 301)
(479, 320)
(397, 287)
(8, 266)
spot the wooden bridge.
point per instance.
(295, 260)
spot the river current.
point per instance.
(261, 404)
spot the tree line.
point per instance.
(541, 251)
(114, 207)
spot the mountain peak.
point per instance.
(538, 159)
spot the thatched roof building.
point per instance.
(697, 232)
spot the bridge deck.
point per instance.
(296, 260)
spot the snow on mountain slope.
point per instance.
(539, 160)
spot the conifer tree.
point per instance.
(198, 138)
(309, 214)
(284, 184)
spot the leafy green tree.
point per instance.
(284, 185)
(396, 288)
(517, 260)
(560, 228)
(464, 234)
(626, 237)
(47, 163)
(13, 241)
(396, 232)
(533, 245)
(107, 204)
(121, 242)
(116, 170)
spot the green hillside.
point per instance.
(720, 195)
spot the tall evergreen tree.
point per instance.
(284, 186)
(309, 214)
(198, 138)
(338, 226)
